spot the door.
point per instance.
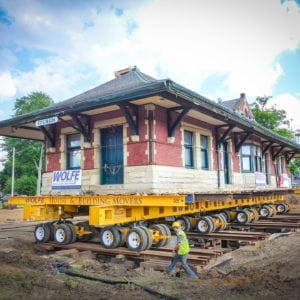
(226, 162)
(111, 153)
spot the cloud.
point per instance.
(291, 104)
(7, 86)
(196, 39)
(84, 42)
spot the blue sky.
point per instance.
(216, 48)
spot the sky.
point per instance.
(217, 48)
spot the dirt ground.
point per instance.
(271, 271)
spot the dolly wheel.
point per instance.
(243, 217)
(63, 234)
(73, 232)
(265, 211)
(282, 208)
(206, 225)
(42, 233)
(185, 223)
(253, 213)
(110, 237)
(149, 237)
(221, 221)
(160, 230)
(137, 239)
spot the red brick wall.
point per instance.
(167, 154)
(137, 151)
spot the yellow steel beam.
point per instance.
(101, 200)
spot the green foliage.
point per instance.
(295, 166)
(271, 118)
(27, 152)
(32, 102)
(276, 120)
(26, 184)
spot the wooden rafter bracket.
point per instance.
(238, 143)
(266, 148)
(50, 134)
(131, 113)
(275, 153)
(225, 134)
(173, 124)
(289, 156)
(83, 125)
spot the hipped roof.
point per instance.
(127, 88)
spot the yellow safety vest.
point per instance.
(184, 247)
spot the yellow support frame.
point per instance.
(106, 210)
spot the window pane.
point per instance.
(73, 151)
(204, 151)
(246, 163)
(204, 159)
(188, 149)
(246, 149)
(74, 159)
(204, 141)
(74, 140)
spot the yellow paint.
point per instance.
(106, 210)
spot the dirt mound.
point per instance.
(266, 272)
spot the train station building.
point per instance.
(135, 134)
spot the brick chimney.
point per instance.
(122, 72)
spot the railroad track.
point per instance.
(159, 258)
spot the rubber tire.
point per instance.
(227, 215)
(42, 233)
(136, 239)
(63, 234)
(73, 231)
(265, 211)
(185, 223)
(273, 210)
(167, 232)
(149, 237)
(245, 217)
(157, 227)
(163, 230)
(281, 208)
(209, 224)
(255, 213)
(110, 233)
(222, 220)
(122, 236)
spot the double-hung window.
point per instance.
(251, 159)
(73, 151)
(189, 149)
(257, 159)
(204, 145)
(246, 158)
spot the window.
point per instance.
(246, 158)
(204, 145)
(257, 159)
(281, 165)
(267, 168)
(251, 159)
(73, 152)
(188, 149)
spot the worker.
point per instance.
(181, 250)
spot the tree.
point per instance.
(275, 120)
(27, 152)
(271, 118)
